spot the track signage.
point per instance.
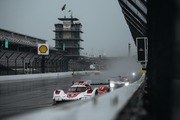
(6, 43)
(43, 49)
(142, 49)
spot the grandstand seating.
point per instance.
(24, 57)
(21, 57)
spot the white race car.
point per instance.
(118, 82)
(78, 91)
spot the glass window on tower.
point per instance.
(57, 35)
(57, 44)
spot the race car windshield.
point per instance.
(77, 89)
(119, 78)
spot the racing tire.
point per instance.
(54, 101)
(96, 93)
(108, 90)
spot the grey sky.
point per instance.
(104, 26)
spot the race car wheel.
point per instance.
(96, 93)
(54, 102)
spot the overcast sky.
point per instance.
(104, 26)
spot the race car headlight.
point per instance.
(127, 83)
(133, 74)
(112, 85)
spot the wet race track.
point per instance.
(27, 95)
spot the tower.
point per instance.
(68, 37)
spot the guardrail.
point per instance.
(44, 76)
(104, 107)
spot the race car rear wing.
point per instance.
(108, 83)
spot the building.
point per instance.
(18, 55)
(68, 37)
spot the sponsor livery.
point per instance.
(78, 91)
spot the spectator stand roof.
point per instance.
(21, 40)
(135, 13)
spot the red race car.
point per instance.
(79, 91)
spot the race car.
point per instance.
(78, 91)
(103, 89)
(118, 82)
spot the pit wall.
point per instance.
(44, 75)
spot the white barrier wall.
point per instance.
(43, 76)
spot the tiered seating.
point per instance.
(21, 53)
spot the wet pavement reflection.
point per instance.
(26, 95)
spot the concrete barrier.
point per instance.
(44, 75)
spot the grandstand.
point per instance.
(21, 55)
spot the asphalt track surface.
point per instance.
(29, 95)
